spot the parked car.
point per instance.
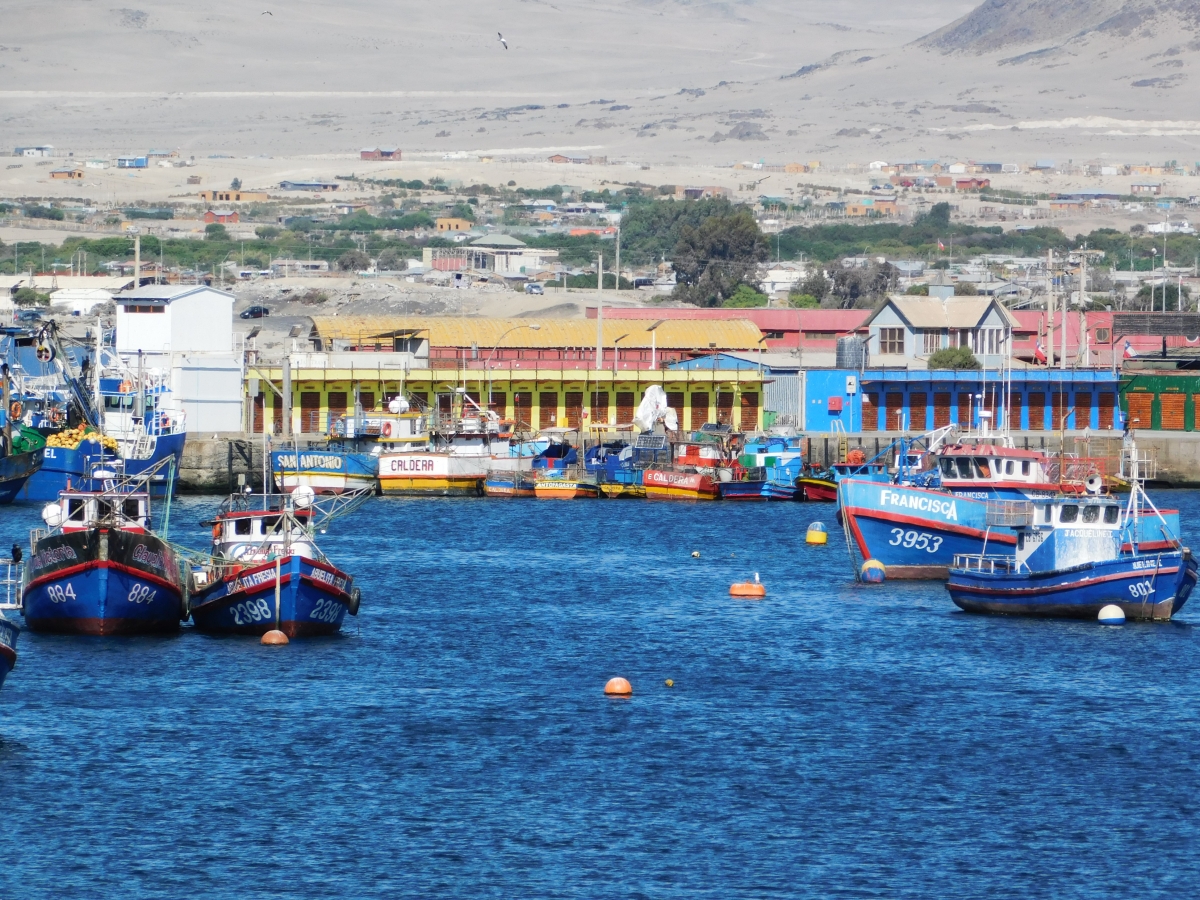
(533, 287)
(27, 315)
(255, 312)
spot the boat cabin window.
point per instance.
(964, 468)
(1025, 467)
(270, 524)
(75, 509)
(104, 509)
(1046, 512)
(948, 468)
(242, 526)
(1110, 514)
(1091, 514)
(982, 467)
(1069, 513)
(131, 509)
(1010, 468)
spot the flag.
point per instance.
(941, 246)
(1130, 353)
(1040, 352)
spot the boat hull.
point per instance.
(916, 532)
(508, 484)
(756, 490)
(436, 474)
(102, 583)
(324, 471)
(9, 632)
(665, 485)
(63, 469)
(817, 489)
(313, 600)
(15, 472)
(565, 489)
(617, 490)
(1144, 587)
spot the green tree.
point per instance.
(965, 289)
(268, 232)
(804, 301)
(353, 261)
(236, 184)
(215, 231)
(463, 211)
(918, 290)
(391, 259)
(29, 297)
(953, 358)
(1142, 299)
(713, 259)
(745, 297)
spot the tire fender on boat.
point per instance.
(355, 600)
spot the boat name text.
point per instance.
(921, 502)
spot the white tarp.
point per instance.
(653, 408)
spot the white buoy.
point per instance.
(1111, 615)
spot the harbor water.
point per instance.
(831, 740)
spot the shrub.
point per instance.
(804, 301)
(29, 297)
(745, 297)
(953, 358)
(965, 289)
(353, 261)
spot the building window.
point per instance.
(891, 340)
(933, 340)
(773, 335)
(820, 335)
(990, 341)
(145, 309)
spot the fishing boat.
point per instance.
(515, 472)
(619, 464)
(574, 483)
(820, 484)
(347, 459)
(265, 571)
(695, 470)
(21, 454)
(1074, 556)
(9, 632)
(917, 528)
(99, 568)
(766, 469)
(441, 457)
(95, 411)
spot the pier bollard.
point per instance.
(274, 638)
(618, 687)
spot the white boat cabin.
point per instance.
(990, 463)
(261, 535)
(81, 510)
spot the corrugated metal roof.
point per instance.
(448, 331)
(954, 312)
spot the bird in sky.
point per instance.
(501, 39)
(269, 13)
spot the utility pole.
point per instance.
(1066, 302)
(618, 281)
(600, 314)
(1050, 309)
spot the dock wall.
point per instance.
(212, 463)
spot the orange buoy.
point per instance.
(754, 589)
(618, 687)
(274, 638)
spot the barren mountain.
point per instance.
(647, 81)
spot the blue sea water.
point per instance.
(832, 740)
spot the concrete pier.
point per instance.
(212, 463)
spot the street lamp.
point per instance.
(532, 326)
(653, 329)
(615, 342)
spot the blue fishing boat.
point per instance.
(1073, 557)
(92, 413)
(266, 572)
(619, 465)
(98, 568)
(767, 469)
(9, 632)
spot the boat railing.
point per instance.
(1078, 468)
(988, 564)
(10, 584)
(1139, 464)
(1008, 513)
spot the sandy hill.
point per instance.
(648, 81)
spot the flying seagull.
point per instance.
(501, 39)
(269, 13)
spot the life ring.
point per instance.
(126, 387)
(216, 531)
(15, 410)
(386, 429)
